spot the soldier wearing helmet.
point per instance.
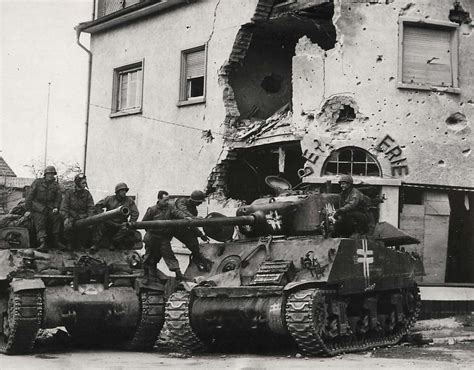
(114, 234)
(189, 236)
(158, 241)
(77, 203)
(43, 202)
(353, 215)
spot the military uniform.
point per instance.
(77, 204)
(43, 197)
(157, 242)
(189, 236)
(354, 211)
(111, 231)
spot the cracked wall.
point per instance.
(433, 130)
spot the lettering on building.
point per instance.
(393, 152)
(312, 156)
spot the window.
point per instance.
(128, 89)
(352, 161)
(193, 76)
(428, 55)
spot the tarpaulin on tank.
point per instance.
(392, 236)
(6, 264)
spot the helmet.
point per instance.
(346, 178)
(79, 177)
(50, 169)
(121, 186)
(198, 196)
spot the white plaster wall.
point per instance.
(435, 153)
(147, 154)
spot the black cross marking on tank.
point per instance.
(366, 257)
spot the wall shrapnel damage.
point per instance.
(257, 79)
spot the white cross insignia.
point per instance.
(366, 257)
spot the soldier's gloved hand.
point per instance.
(55, 211)
(204, 238)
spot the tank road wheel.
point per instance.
(151, 320)
(21, 322)
(316, 333)
(178, 324)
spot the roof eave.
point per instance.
(126, 15)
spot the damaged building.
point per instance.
(218, 95)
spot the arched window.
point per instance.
(353, 161)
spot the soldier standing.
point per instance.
(43, 202)
(77, 203)
(189, 236)
(114, 232)
(157, 241)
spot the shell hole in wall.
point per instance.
(346, 114)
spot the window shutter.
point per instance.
(195, 64)
(427, 56)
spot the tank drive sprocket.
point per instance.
(309, 323)
(178, 324)
(22, 322)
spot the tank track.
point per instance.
(24, 320)
(307, 317)
(178, 324)
(151, 320)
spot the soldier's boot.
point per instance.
(179, 276)
(57, 243)
(42, 245)
(151, 274)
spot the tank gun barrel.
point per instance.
(252, 219)
(121, 212)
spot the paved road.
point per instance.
(459, 356)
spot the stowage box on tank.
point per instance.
(288, 278)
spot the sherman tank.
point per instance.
(96, 293)
(288, 278)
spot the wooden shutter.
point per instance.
(427, 56)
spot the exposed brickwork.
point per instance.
(217, 178)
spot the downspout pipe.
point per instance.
(89, 81)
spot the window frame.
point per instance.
(183, 85)
(118, 72)
(351, 162)
(440, 25)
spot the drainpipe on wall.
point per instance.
(89, 79)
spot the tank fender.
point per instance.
(302, 285)
(26, 284)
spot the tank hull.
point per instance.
(91, 304)
(330, 295)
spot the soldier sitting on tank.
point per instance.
(77, 203)
(158, 241)
(189, 235)
(43, 201)
(352, 216)
(114, 233)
